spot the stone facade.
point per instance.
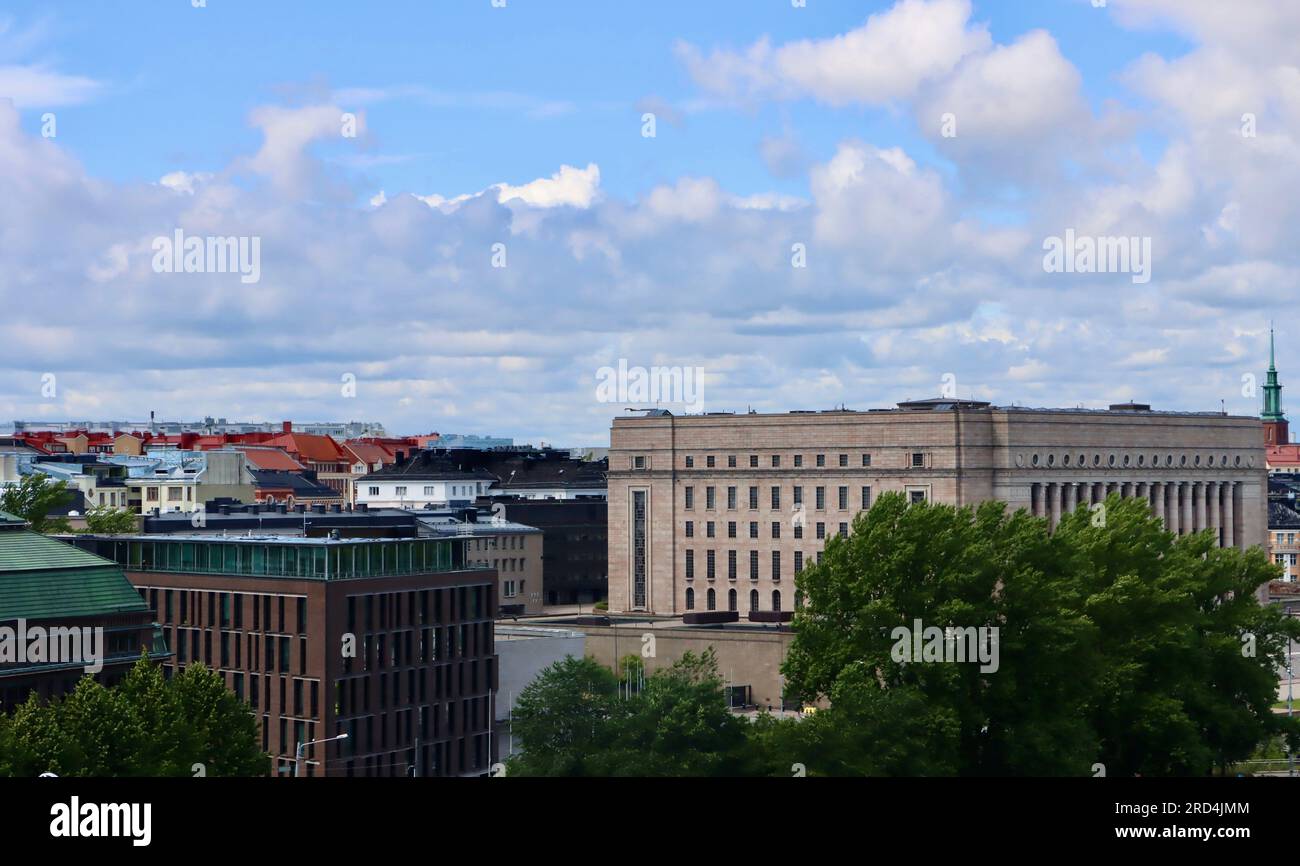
(726, 508)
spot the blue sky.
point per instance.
(568, 77)
(522, 125)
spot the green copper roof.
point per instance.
(30, 551)
(42, 578)
(1272, 390)
(9, 520)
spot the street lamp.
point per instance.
(302, 747)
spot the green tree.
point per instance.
(573, 721)
(946, 567)
(144, 726)
(106, 520)
(1118, 644)
(1189, 655)
(33, 498)
(564, 718)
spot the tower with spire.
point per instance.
(1275, 424)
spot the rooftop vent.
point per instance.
(1130, 407)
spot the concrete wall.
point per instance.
(523, 652)
(749, 656)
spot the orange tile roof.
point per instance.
(272, 458)
(369, 453)
(321, 449)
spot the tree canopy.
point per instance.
(143, 726)
(33, 498)
(1108, 646)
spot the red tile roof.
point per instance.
(320, 449)
(1283, 455)
(369, 453)
(271, 458)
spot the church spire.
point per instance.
(1272, 390)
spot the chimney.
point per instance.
(286, 426)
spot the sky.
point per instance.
(464, 215)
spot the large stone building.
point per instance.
(720, 511)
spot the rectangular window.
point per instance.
(918, 460)
(821, 530)
(731, 529)
(690, 497)
(844, 499)
(753, 461)
(708, 462)
(776, 461)
(638, 548)
(866, 459)
(731, 565)
(708, 529)
(798, 561)
(821, 498)
(866, 498)
(708, 558)
(776, 565)
(708, 498)
(821, 460)
(753, 565)
(374, 491)
(776, 498)
(731, 498)
(690, 564)
(798, 461)
(776, 529)
(690, 462)
(798, 530)
(731, 461)
(915, 496)
(844, 460)
(753, 529)
(753, 498)
(690, 529)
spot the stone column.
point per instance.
(1212, 494)
(1230, 502)
(1071, 497)
(1185, 519)
(1173, 508)
(1157, 491)
(1054, 504)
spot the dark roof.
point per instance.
(301, 486)
(437, 465)
(510, 469)
(1282, 516)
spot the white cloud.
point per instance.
(887, 58)
(41, 88)
(569, 187)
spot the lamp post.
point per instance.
(300, 754)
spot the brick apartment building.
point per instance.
(276, 615)
(720, 511)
